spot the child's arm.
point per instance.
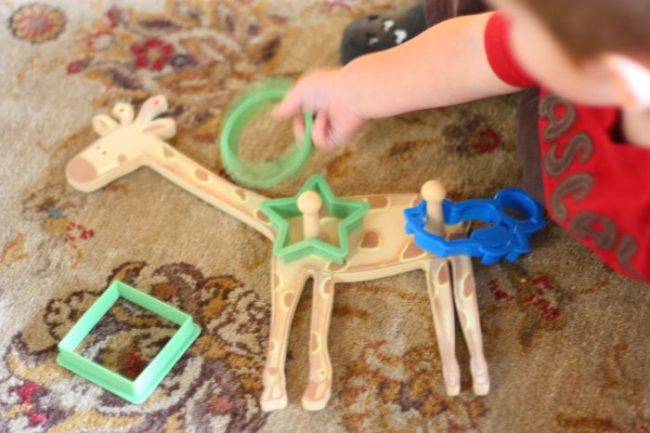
(445, 65)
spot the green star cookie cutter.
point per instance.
(280, 211)
(138, 390)
(262, 173)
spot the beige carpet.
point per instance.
(567, 341)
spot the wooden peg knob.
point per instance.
(434, 193)
(309, 204)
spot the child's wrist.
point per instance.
(348, 92)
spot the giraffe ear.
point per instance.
(164, 128)
(103, 124)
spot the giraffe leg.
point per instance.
(442, 307)
(467, 307)
(319, 388)
(287, 284)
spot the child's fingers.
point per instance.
(342, 128)
(319, 130)
(290, 105)
(328, 134)
(298, 127)
(334, 138)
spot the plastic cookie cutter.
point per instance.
(307, 206)
(138, 390)
(505, 236)
(262, 173)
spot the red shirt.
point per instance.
(595, 188)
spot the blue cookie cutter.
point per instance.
(506, 237)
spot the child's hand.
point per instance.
(318, 91)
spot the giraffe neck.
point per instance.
(234, 200)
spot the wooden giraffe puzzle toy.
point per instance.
(378, 246)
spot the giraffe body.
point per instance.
(380, 248)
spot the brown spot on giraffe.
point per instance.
(241, 194)
(468, 286)
(328, 287)
(121, 159)
(370, 240)
(287, 299)
(443, 274)
(378, 201)
(336, 267)
(412, 251)
(167, 152)
(276, 281)
(262, 217)
(201, 174)
(314, 343)
(271, 346)
(272, 371)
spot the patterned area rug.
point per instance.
(567, 341)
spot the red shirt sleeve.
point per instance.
(499, 53)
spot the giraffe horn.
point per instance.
(124, 112)
(151, 108)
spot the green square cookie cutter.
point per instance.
(138, 390)
(263, 173)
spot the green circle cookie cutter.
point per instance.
(263, 173)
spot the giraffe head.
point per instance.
(122, 146)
